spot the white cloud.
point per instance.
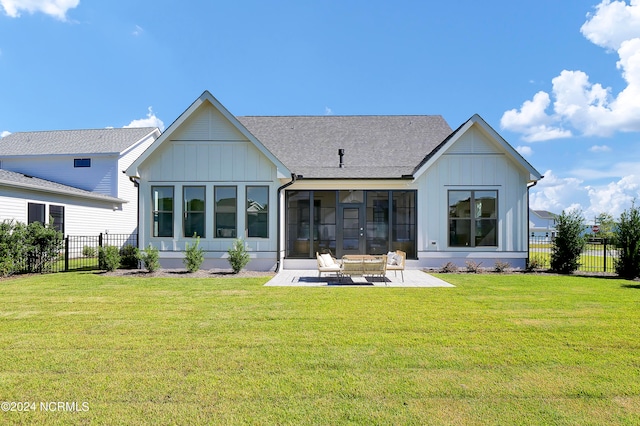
(138, 30)
(5, 133)
(600, 148)
(56, 8)
(556, 194)
(589, 108)
(525, 151)
(613, 198)
(150, 121)
(328, 111)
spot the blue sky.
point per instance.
(559, 80)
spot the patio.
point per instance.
(309, 278)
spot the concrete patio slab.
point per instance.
(309, 278)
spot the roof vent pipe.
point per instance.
(341, 154)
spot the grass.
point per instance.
(496, 349)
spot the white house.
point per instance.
(542, 223)
(74, 176)
(293, 186)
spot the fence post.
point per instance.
(604, 243)
(100, 240)
(66, 254)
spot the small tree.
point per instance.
(150, 257)
(627, 236)
(238, 256)
(193, 256)
(568, 243)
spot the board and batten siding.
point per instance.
(473, 163)
(207, 150)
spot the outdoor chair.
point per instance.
(395, 262)
(328, 263)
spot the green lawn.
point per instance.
(496, 349)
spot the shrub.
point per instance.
(627, 236)
(194, 255)
(449, 267)
(129, 257)
(238, 256)
(534, 263)
(501, 266)
(568, 243)
(472, 266)
(150, 258)
(29, 248)
(109, 258)
(88, 251)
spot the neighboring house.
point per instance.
(542, 223)
(74, 176)
(292, 186)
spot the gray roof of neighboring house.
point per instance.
(19, 180)
(72, 142)
(374, 146)
(543, 214)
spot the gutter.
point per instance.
(534, 183)
(293, 180)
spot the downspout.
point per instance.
(294, 177)
(529, 219)
(137, 186)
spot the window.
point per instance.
(194, 211)
(35, 213)
(162, 211)
(258, 211)
(225, 211)
(473, 218)
(56, 217)
(82, 162)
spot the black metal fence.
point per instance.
(599, 254)
(81, 251)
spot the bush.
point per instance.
(194, 256)
(150, 258)
(88, 251)
(501, 266)
(449, 267)
(627, 236)
(129, 257)
(473, 267)
(109, 258)
(534, 263)
(238, 256)
(568, 243)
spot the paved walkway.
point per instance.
(309, 278)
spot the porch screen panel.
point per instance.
(298, 224)
(403, 222)
(324, 222)
(377, 222)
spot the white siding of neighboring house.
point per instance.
(82, 216)
(474, 162)
(104, 176)
(208, 150)
(101, 177)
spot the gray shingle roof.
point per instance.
(374, 146)
(72, 142)
(20, 180)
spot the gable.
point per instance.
(207, 143)
(476, 143)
